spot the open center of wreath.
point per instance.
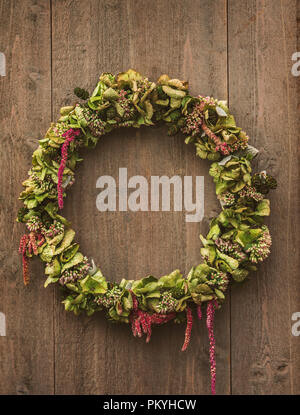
(119, 220)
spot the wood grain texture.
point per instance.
(262, 39)
(27, 352)
(238, 53)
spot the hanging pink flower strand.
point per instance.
(70, 136)
(188, 330)
(141, 321)
(210, 314)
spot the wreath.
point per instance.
(237, 239)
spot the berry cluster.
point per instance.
(76, 273)
(54, 229)
(110, 298)
(227, 198)
(193, 121)
(126, 105)
(167, 303)
(231, 248)
(95, 124)
(34, 224)
(218, 279)
(46, 185)
(60, 128)
(251, 193)
(260, 249)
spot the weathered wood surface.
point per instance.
(238, 53)
(262, 39)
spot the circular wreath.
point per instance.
(237, 239)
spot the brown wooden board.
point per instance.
(27, 351)
(231, 52)
(262, 38)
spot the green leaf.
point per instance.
(263, 208)
(51, 209)
(42, 197)
(219, 294)
(181, 305)
(238, 186)
(169, 281)
(148, 288)
(77, 259)
(155, 294)
(175, 103)
(149, 109)
(110, 94)
(144, 281)
(231, 174)
(94, 283)
(201, 270)
(205, 242)
(50, 280)
(162, 102)
(247, 178)
(66, 242)
(191, 274)
(214, 232)
(215, 170)
(233, 263)
(56, 240)
(221, 187)
(153, 304)
(222, 266)
(201, 153)
(63, 220)
(213, 156)
(230, 122)
(53, 268)
(127, 302)
(66, 110)
(31, 203)
(80, 117)
(209, 252)
(203, 289)
(173, 93)
(69, 253)
(240, 274)
(247, 236)
(48, 253)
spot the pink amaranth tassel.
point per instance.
(138, 330)
(41, 239)
(149, 329)
(33, 243)
(220, 146)
(141, 321)
(210, 313)
(135, 303)
(28, 246)
(70, 136)
(161, 318)
(22, 250)
(188, 330)
(210, 134)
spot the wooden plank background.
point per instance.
(235, 50)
